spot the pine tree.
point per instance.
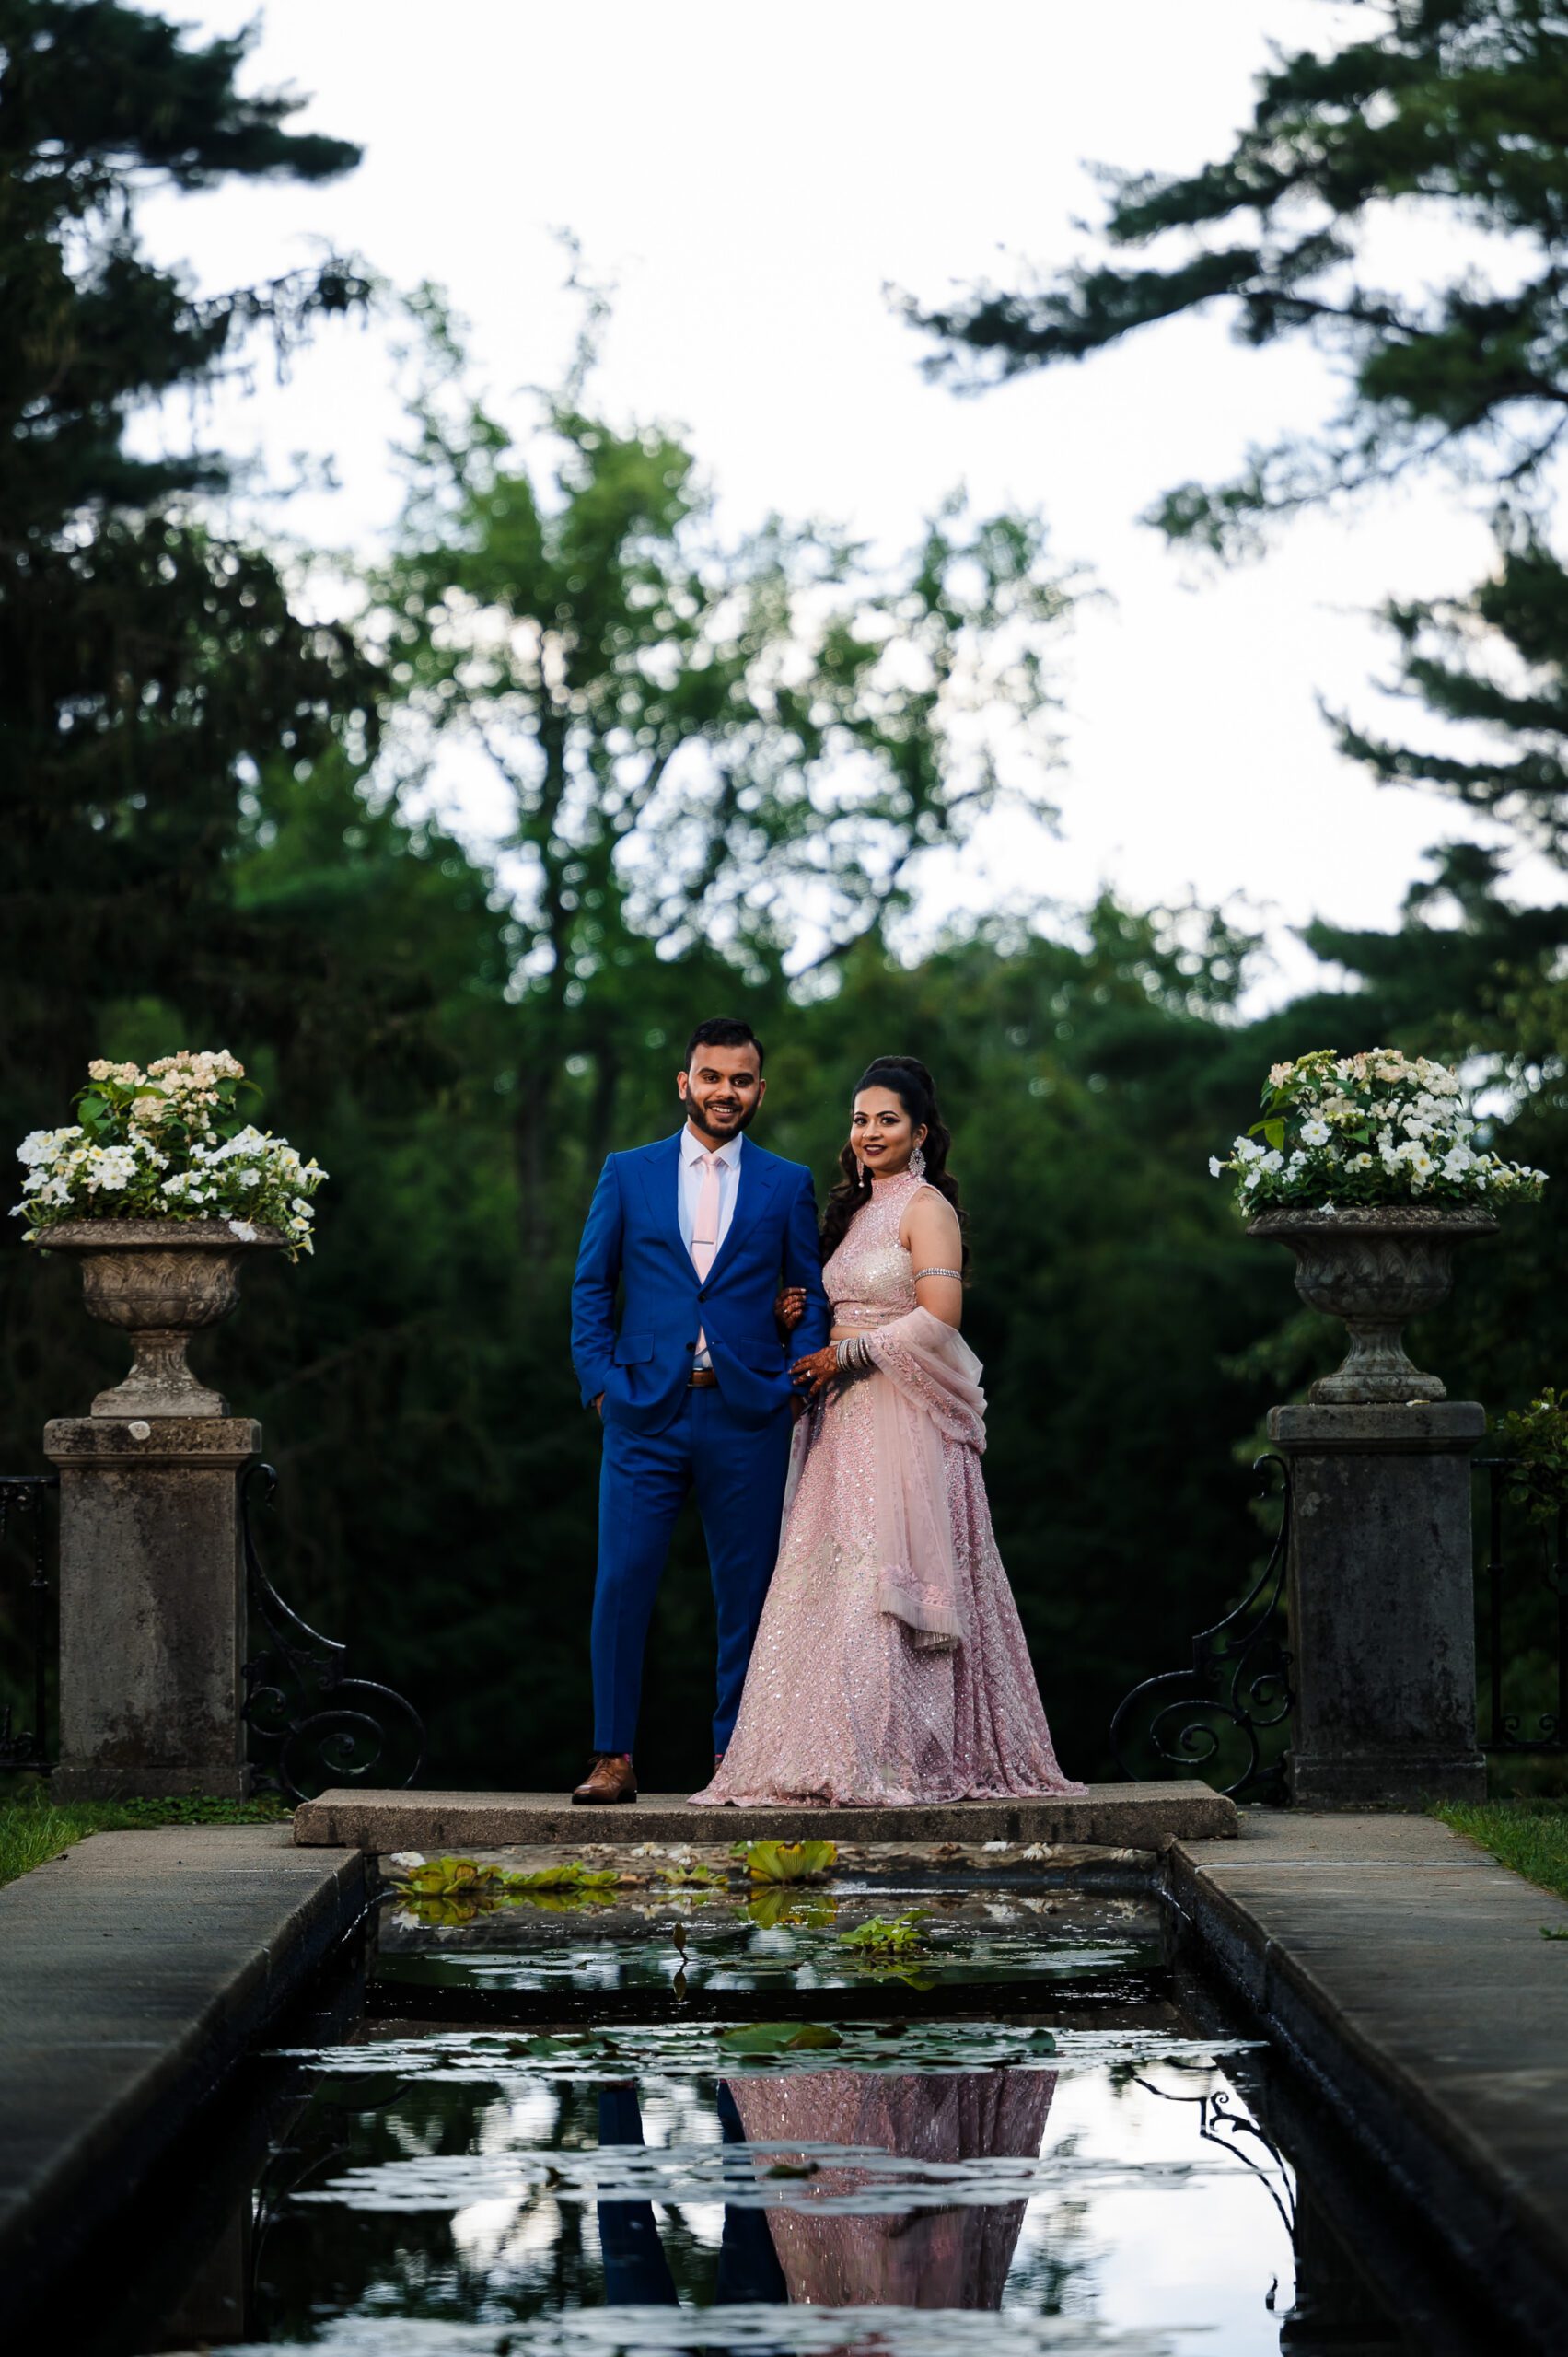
(148, 667)
(1461, 105)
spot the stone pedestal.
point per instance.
(152, 1604)
(1382, 1607)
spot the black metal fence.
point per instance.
(1521, 1617)
(308, 1723)
(1225, 1716)
(27, 1617)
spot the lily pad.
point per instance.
(888, 1935)
(776, 1905)
(572, 1876)
(444, 1878)
(778, 2037)
(786, 1860)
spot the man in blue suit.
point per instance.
(694, 1389)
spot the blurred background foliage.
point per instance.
(720, 763)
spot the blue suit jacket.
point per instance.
(632, 1237)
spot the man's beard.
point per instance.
(748, 1115)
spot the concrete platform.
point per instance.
(1113, 1816)
(134, 1972)
(1407, 1973)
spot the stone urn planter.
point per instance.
(1374, 1266)
(162, 1281)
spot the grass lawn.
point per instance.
(32, 1828)
(1531, 1836)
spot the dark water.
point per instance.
(626, 2163)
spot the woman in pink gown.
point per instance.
(889, 1665)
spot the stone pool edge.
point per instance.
(135, 1972)
(1127, 1817)
(1399, 1970)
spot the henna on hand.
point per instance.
(818, 1372)
(789, 1308)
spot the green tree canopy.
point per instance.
(734, 749)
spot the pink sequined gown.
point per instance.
(955, 2257)
(845, 1701)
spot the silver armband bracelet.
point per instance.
(938, 1273)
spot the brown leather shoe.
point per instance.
(611, 1777)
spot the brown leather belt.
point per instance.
(703, 1378)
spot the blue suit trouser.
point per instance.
(738, 1472)
(636, 2271)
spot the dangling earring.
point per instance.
(917, 1163)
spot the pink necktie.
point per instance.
(705, 1227)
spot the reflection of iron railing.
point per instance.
(24, 1523)
(1502, 1590)
(1237, 1688)
(310, 1725)
(1231, 2131)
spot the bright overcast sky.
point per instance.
(753, 179)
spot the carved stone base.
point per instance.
(152, 1604)
(159, 1383)
(1382, 1604)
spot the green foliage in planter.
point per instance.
(1376, 1128)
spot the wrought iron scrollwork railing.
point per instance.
(310, 1724)
(1237, 1690)
(1509, 1600)
(24, 1523)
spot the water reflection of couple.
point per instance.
(874, 1654)
(951, 2257)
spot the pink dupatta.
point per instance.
(925, 1390)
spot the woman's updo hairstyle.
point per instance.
(910, 1082)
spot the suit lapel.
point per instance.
(757, 1176)
(659, 1171)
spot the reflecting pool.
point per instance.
(902, 2120)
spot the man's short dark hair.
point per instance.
(723, 1031)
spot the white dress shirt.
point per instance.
(692, 1152)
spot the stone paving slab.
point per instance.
(1406, 1971)
(134, 1973)
(1121, 1817)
